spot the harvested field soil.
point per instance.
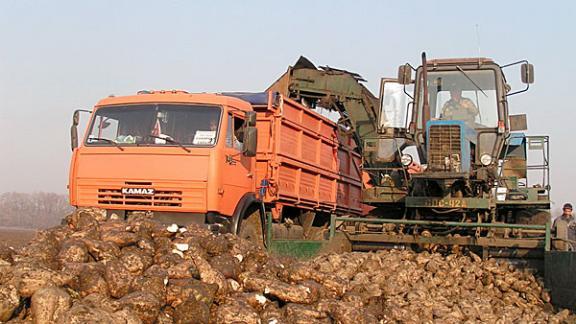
(15, 237)
(101, 270)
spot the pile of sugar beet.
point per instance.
(98, 270)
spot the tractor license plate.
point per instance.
(445, 203)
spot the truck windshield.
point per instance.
(155, 124)
(464, 95)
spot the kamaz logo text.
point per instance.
(138, 191)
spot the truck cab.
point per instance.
(187, 157)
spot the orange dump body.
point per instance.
(304, 159)
(300, 156)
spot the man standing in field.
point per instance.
(565, 228)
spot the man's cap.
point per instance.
(567, 205)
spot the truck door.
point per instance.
(238, 178)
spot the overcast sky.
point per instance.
(57, 56)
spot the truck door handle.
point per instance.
(230, 160)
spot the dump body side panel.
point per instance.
(305, 161)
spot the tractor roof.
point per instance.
(467, 60)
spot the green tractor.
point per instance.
(471, 177)
(447, 167)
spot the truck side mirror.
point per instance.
(404, 74)
(74, 127)
(250, 141)
(250, 117)
(527, 71)
(76, 118)
(74, 136)
(518, 123)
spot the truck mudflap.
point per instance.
(560, 278)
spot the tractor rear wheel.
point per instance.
(533, 217)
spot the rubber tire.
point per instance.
(533, 217)
(251, 229)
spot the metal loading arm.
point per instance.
(333, 89)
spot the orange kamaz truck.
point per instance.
(218, 159)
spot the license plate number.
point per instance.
(445, 203)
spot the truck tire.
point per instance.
(251, 228)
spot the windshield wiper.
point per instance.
(107, 141)
(169, 140)
(474, 83)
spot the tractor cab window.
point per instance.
(155, 124)
(469, 96)
(235, 132)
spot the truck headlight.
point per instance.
(486, 159)
(406, 159)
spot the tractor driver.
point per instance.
(459, 108)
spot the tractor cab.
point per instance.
(459, 123)
(470, 95)
(457, 135)
(461, 116)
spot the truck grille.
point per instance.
(114, 197)
(444, 147)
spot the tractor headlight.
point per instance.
(406, 159)
(486, 159)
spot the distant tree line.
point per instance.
(33, 210)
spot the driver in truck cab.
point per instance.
(459, 108)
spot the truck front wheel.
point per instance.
(251, 228)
